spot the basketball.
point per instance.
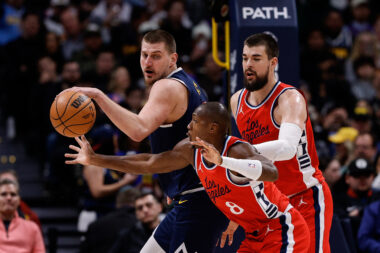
(72, 114)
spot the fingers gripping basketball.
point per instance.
(72, 114)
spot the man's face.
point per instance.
(147, 209)
(9, 199)
(197, 126)
(105, 63)
(155, 61)
(360, 183)
(256, 67)
(71, 72)
(364, 148)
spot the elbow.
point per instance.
(286, 153)
(138, 136)
(275, 173)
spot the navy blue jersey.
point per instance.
(167, 136)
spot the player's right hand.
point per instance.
(88, 91)
(84, 152)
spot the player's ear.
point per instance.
(173, 59)
(274, 62)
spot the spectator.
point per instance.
(111, 13)
(73, 41)
(178, 24)
(52, 16)
(376, 181)
(210, 78)
(23, 210)
(103, 233)
(135, 99)
(104, 65)
(101, 184)
(338, 35)
(365, 147)
(344, 141)
(362, 87)
(351, 203)
(332, 172)
(17, 234)
(92, 45)
(131, 240)
(118, 85)
(365, 44)
(362, 118)
(369, 230)
(10, 19)
(21, 69)
(53, 49)
(360, 14)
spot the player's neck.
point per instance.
(258, 96)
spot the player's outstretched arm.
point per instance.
(242, 158)
(167, 161)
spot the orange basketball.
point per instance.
(72, 114)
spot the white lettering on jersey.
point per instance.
(270, 209)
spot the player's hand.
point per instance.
(229, 232)
(208, 151)
(84, 152)
(89, 92)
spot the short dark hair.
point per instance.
(126, 197)
(217, 113)
(263, 39)
(158, 36)
(144, 194)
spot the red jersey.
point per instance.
(257, 125)
(252, 204)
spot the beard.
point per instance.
(257, 84)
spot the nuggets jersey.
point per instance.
(167, 136)
(252, 205)
(256, 125)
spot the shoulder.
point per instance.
(168, 89)
(30, 225)
(236, 95)
(292, 96)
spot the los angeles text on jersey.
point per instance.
(215, 190)
(254, 130)
(265, 13)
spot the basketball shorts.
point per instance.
(316, 206)
(288, 233)
(193, 225)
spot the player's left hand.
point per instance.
(208, 151)
(229, 232)
(84, 152)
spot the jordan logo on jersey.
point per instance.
(215, 190)
(254, 130)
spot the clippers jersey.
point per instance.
(167, 136)
(256, 125)
(252, 205)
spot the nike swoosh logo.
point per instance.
(182, 201)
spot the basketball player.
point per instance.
(173, 97)
(235, 177)
(273, 116)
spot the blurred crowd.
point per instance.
(50, 45)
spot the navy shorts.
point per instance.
(194, 223)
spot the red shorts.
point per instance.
(288, 232)
(316, 206)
